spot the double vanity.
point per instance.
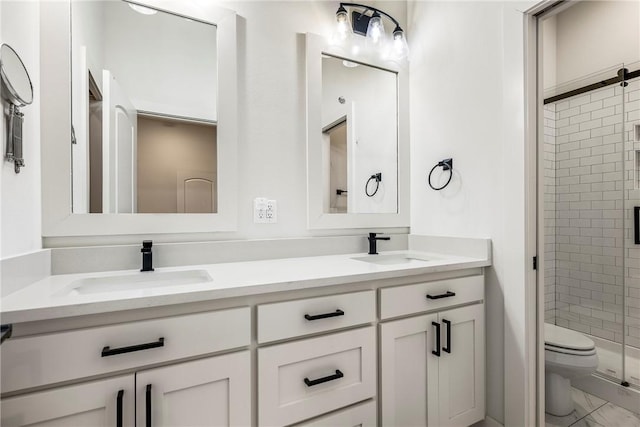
(350, 339)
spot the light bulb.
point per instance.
(342, 26)
(400, 46)
(375, 31)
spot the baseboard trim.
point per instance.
(487, 422)
(625, 397)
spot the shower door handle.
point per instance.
(636, 225)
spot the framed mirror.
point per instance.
(142, 135)
(144, 110)
(357, 146)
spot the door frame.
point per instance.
(534, 210)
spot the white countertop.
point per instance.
(48, 298)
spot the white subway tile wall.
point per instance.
(550, 213)
(586, 140)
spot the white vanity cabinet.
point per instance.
(432, 366)
(211, 390)
(401, 351)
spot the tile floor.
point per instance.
(592, 411)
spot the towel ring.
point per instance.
(447, 165)
(378, 178)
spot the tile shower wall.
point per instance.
(549, 213)
(584, 189)
(589, 207)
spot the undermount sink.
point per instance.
(136, 281)
(393, 259)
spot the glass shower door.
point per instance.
(629, 110)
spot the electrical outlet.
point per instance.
(260, 210)
(271, 212)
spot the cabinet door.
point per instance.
(409, 372)
(94, 404)
(461, 371)
(210, 392)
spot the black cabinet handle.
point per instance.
(338, 312)
(119, 408)
(311, 383)
(445, 295)
(447, 349)
(148, 405)
(437, 350)
(106, 351)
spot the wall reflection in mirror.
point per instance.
(144, 110)
(360, 137)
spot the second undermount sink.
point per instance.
(137, 281)
(393, 259)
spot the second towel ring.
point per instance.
(447, 165)
(378, 178)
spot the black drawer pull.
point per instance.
(445, 295)
(311, 383)
(436, 352)
(148, 405)
(447, 349)
(338, 312)
(106, 351)
(119, 409)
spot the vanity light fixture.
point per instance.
(368, 23)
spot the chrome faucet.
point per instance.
(147, 256)
(373, 250)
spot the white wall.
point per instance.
(467, 102)
(20, 206)
(592, 36)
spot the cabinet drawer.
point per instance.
(410, 299)
(307, 316)
(46, 359)
(304, 379)
(362, 415)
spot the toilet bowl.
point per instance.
(567, 355)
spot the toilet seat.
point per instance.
(566, 341)
(570, 351)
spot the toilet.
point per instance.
(567, 355)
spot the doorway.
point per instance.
(588, 167)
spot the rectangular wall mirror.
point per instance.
(140, 113)
(144, 110)
(357, 146)
(360, 137)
